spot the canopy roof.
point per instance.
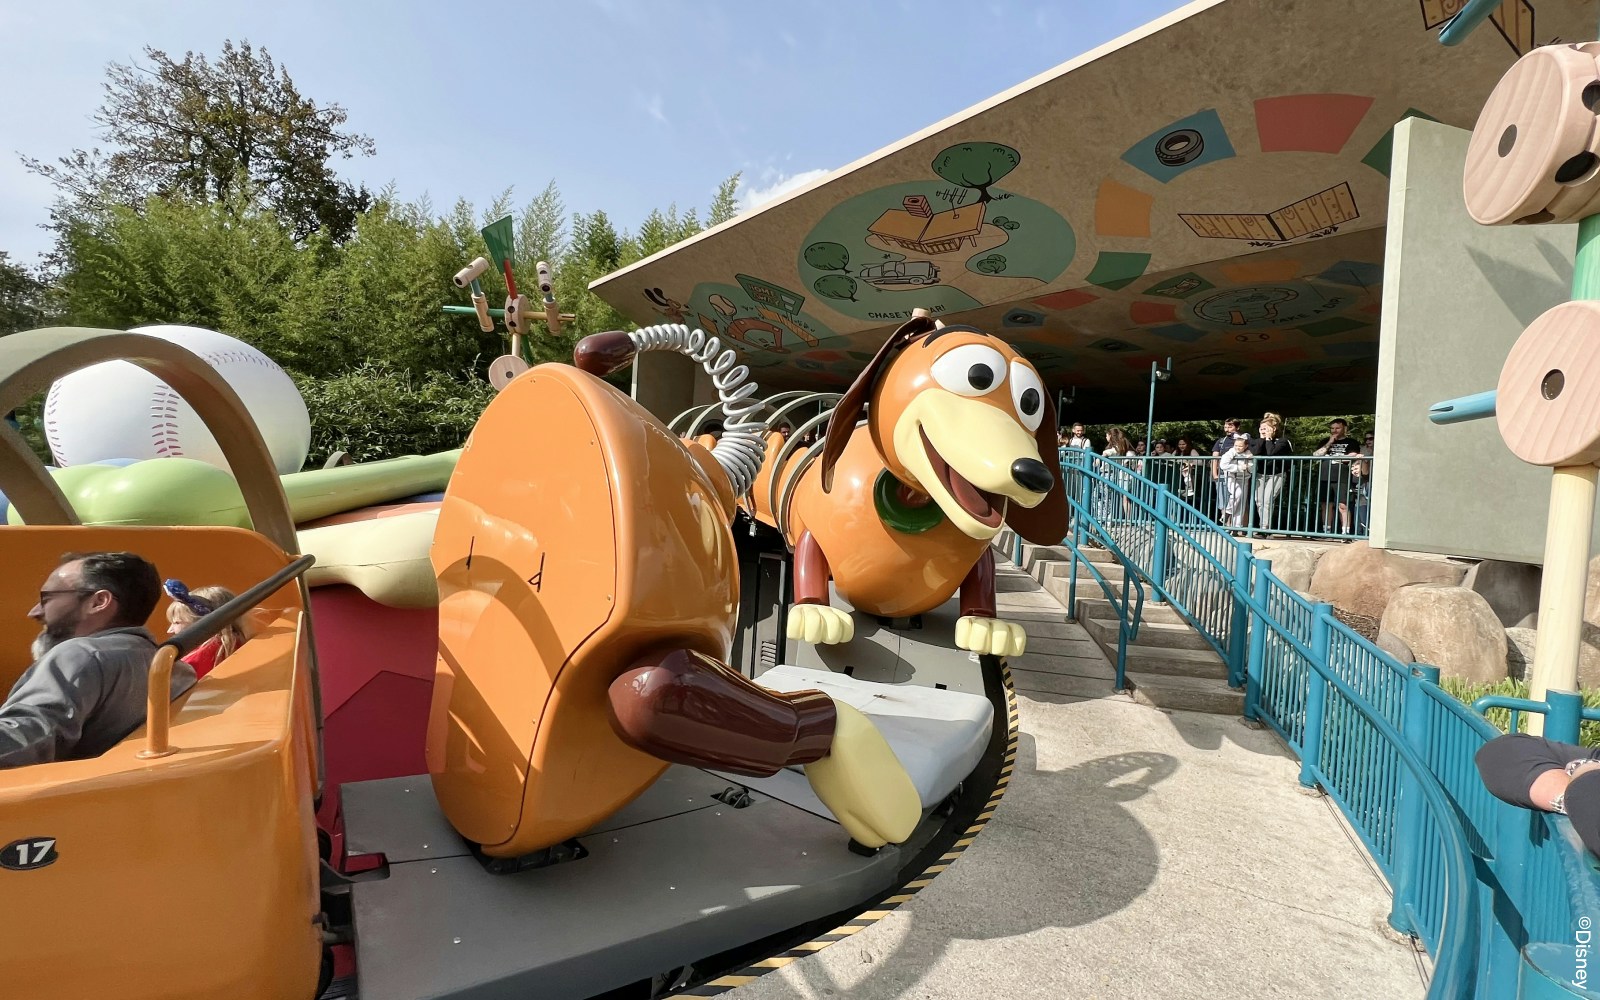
(1212, 187)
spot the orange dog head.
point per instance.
(957, 414)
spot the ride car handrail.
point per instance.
(158, 714)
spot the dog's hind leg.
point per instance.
(812, 619)
(689, 708)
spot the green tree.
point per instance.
(22, 297)
(206, 130)
(977, 165)
(725, 205)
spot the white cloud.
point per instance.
(778, 184)
(652, 106)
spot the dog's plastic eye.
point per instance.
(970, 370)
(1028, 393)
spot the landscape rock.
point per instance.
(1359, 578)
(1395, 647)
(1591, 596)
(1512, 590)
(1519, 655)
(1450, 627)
(1293, 564)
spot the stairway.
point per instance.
(1169, 665)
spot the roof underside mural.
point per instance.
(1213, 190)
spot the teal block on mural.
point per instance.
(1359, 349)
(1179, 331)
(1181, 146)
(1378, 156)
(1329, 327)
(1353, 272)
(1116, 270)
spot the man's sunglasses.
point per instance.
(45, 595)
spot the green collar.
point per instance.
(899, 515)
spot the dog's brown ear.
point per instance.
(1045, 524)
(845, 415)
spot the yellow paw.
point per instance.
(990, 636)
(820, 624)
(862, 782)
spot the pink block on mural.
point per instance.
(1153, 312)
(1069, 299)
(1309, 123)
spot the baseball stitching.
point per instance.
(164, 406)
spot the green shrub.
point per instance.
(1589, 732)
(376, 411)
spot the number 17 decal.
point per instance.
(28, 853)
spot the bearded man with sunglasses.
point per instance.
(88, 686)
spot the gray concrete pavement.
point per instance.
(1137, 854)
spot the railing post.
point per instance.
(1562, 722)
(1316, 696)
(1416, 727)
(1158, 549)
(1257, 617)
(1239, 627)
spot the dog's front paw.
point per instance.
(990, 636)
(820, 624)
(863, 783)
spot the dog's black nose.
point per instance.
(1031, 474)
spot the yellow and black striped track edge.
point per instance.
(867, 918)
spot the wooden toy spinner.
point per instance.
(518, 311)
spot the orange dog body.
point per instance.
(876, 568)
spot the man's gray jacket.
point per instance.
(82, 698)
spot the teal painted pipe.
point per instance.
(1476, 12)
(469, 311)
(1477, 406)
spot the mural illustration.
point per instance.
(956, 241)
(1319, 215)
(765, 318)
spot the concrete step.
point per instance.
(1185, 694)
(1203, 663)
(1097, 607)
(1153, 634)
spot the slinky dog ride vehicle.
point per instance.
(617, 797)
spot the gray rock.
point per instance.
(1519, 655)
(1452, 628)
(1362, 579)
(1512, 589)
(1395, 647)
(1293, 564)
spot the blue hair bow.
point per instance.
(178, 592)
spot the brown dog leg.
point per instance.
(688, 708)
(977, 589)
(810, 571)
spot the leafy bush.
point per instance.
(377, 411)
(1589, 732)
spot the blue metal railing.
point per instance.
(1295, 496)
(1494, 892)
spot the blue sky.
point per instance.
(626, 104)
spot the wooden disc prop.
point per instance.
(1548, 400)
(1535, 152)
(505, 368)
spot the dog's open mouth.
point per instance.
(988, 508)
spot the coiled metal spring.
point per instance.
(742, 446)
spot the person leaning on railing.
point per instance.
(1536, 773)
(1269, 474)
(88, 685)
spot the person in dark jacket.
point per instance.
(1269, 474)
(1545, 775)
(87, 687)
